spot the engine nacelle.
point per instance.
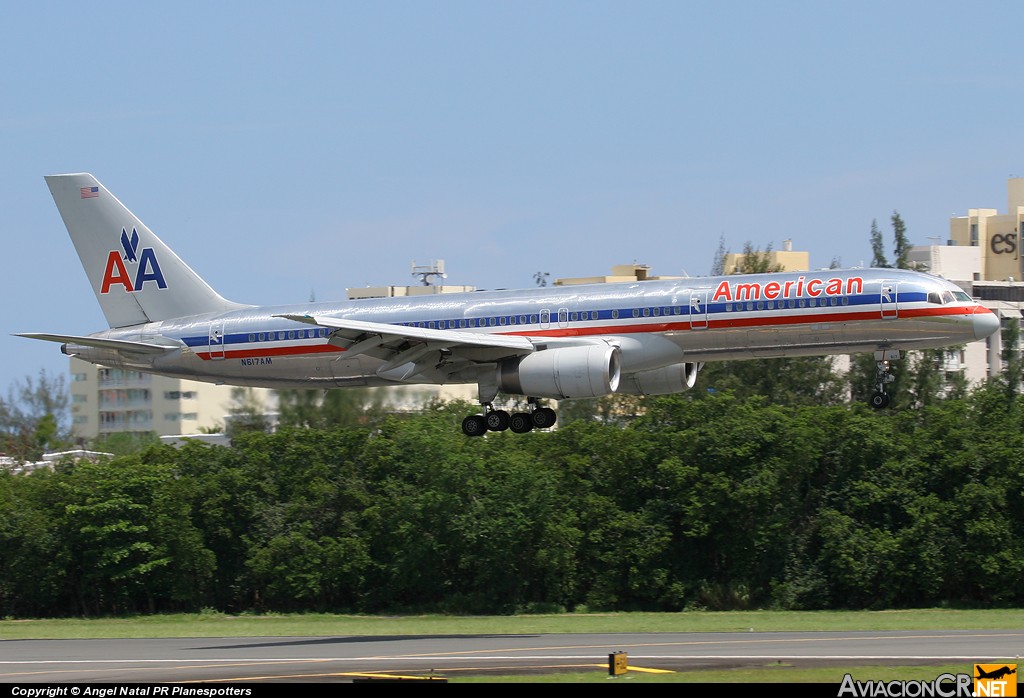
(661, 381)
(96, 355)
(570, 372)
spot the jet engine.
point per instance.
(570, 372)
(660, 381)
(96, 355)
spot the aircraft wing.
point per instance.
(357, 330)
(100, 343)
(515, 343)
(410, 351)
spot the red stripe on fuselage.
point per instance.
(273, 351)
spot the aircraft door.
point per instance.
(217, 340)
(699, 309)
(545, 319)
(889, 300)
(563, 317)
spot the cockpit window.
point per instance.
(962, 296)
(942, 297)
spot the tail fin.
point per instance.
(135, 276)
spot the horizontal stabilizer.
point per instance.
(99, 343)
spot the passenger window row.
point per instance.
(564, 316)
(791, 303)
(289, 334)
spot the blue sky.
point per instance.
(285, 150)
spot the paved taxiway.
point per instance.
(261, 659)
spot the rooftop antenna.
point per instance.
(427, 271)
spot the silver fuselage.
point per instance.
(653, 323)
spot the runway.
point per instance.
(343, 658)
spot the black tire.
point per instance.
(543, 417)
(879, 400)
(497, 420)
(520, 423)
(474, 425)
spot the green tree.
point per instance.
(754, 261)
(1013, 362)
(132, 546)
(246, 413)
(126, 442)
(298, 571)
(927, 378)
(901, 245)
(809, 380)
(33, 564)
(617, 408)
(718, 262)
(320, 409)
(34, 417)
(878, 258)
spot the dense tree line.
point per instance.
(718, 500)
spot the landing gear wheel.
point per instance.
(497, 420)
(543, 417)
(883, 376)
(520, 423)
(474, 425)
(879, 400)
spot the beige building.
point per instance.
(620, 272)
(785, 259)
(426, 272)
(112, 400)
(996, 235)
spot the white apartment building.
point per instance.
(112, 400)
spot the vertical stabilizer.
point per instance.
(135, 276)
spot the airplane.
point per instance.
(639, 338)
(995, 674)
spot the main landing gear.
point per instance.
(500, 420)
(883, 376)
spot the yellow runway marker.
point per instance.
(641, 669)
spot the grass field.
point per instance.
(314, 624)
(325, 625)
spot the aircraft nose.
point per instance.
(985, 323)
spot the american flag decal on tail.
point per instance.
(90, 192)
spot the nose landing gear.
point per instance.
(883, 376)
